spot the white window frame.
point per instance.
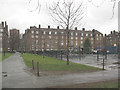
(37, 32)
(50, 32)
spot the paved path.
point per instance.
(18, 77)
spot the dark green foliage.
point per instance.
(87, 46)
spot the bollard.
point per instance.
(97, 55)
(103, 64)
(61, 55)
(32, 64)
(105, 54)
(37, 68)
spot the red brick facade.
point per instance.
(4, 36)
(38, 39)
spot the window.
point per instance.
(56, 37)
(86, 35)
(37, 32)
(71, 42)
(43, 43)
(0, 34)
(32, 48)
(81, 42)
(76, 34)
(32, 32)
(81, 34)
(36, 41)
(71, 37)
(91, 38)
(32, 36)
(50, 32)
(76, 43)
(55, 32)
(81, 38)
(91, 35)
(55, 41)
(91, 42)
(62, 44)
(48, 44)
(1, 30)
(62, 32)
(51, 44)
(36, 36)
(50, 37)
(97, 38)
(62, 37)
(76, 37)
(44, 32)
(71, 33)
(55, 44)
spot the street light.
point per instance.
(115, 45)
(119, 45)
(93, 31)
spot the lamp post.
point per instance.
(119, 45)
(115, 45)
(4, 40)
(93, 32)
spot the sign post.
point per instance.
(103, 50)
(79, 53)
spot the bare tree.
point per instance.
(102, 2)
(67, 14)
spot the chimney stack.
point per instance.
(2, 24)
(75, 28)
(39, 26)
(83, 29)
(105, 35)
(48, 27)
(114, 31)
(111, 32)
(57, 27)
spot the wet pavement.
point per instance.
(91, 60)
(19, 77)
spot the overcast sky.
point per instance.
(17, 14)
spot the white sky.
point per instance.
(17, 15)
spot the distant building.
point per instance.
(39, 39)
(14, 39)
(111, 41)
(3, 37)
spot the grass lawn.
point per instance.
(6, 56)
(53, 64)
(111, 84)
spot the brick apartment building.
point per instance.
(39, 39)
(14, 39)
(111, 41)
(3, 37)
